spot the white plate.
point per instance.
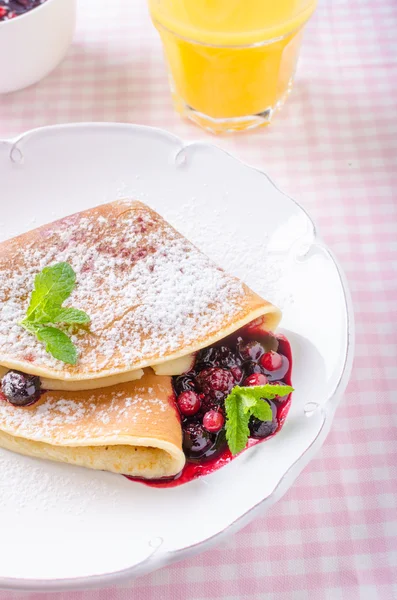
(63, 526)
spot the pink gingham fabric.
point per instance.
(333, 148)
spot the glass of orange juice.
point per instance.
(231, 62)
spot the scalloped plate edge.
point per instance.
(156, 559)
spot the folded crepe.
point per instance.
(154, 299)
(132, 428)
(152, 296)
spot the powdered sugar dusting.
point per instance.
(58, 419)
(147, 289)
(27, 484)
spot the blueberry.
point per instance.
(251, 350)
(21, 389)
(220, 356)
(279, 398)
(200, 445)
(207, 357)
(251, 367)
(183, 383)
(227, 358)
(196, 440)
(25, 3)
(218, 447)
(262, 429)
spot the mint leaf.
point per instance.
(268, 391)
(244, 402)
(72, 316)
(58, 344)
(237, 430)
(262, 411)
(54, 314)
(247, 402)
(30, 326)
(51, 288)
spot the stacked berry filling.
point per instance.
(201, 393)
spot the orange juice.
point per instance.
(231, 62)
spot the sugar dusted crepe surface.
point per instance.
(152, 296)
(132, 428)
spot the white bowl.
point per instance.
(100, 527)
(35, 42)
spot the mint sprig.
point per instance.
(244, 402)
(52, 286)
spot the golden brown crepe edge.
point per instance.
(148, 462)
(141, 435)
(269, 310)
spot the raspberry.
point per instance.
(211, 381)
(215, 384)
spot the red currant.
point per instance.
(188, 403)
(213, 421)
(271, 361)
(255, 379)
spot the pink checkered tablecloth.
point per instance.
(333, 148)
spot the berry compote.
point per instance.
(9, 9)
(249, 357)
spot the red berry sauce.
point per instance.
(248, 357)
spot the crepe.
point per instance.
(152, 296)
(132, 428)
